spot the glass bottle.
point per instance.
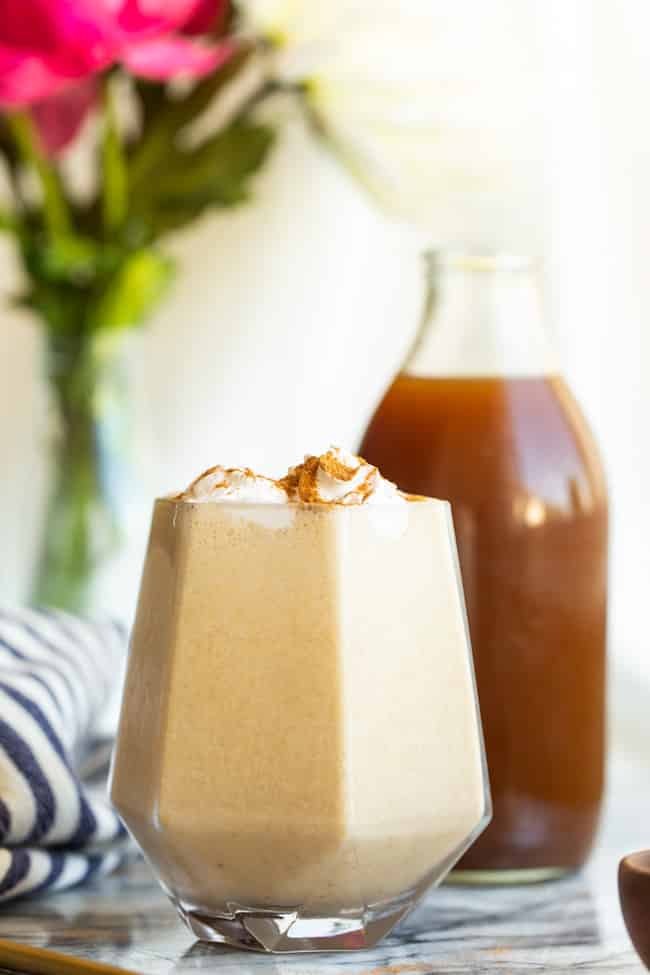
(479, 415)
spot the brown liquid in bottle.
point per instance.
(517, 462)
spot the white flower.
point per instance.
(435, 105)
(292, 24)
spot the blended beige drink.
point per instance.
(299, 752)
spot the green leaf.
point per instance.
(62, 308)
(132, 293)
(215, 174)
(55, 207)
(163, 116)
(68, 258)
(152, 97)
(219, 168)
(114, 173)
(8, 222)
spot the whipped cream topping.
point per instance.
(339, 477)
(234, 484)
(336, 477)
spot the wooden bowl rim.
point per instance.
(638, 862)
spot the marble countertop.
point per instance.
(557, 927)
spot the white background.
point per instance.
(291, 315)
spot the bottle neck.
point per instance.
(483, 317)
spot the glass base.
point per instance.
(279, 931)
(503, 878)
(299, 929)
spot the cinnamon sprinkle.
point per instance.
(335, 478)
(301, 482)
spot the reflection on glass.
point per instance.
(529, 511)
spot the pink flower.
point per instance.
(208, 15)
(48, 46)
(58, 119)
(149, 43)
(45, 45)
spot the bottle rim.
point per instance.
(476, 260)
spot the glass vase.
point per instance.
(82, 528)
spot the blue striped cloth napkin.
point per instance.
(56, 672)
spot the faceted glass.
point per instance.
(300, 754)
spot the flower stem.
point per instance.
(255, 98)
(55, 210)
(115, 188)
